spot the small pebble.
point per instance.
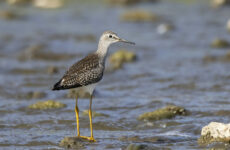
(164, 28)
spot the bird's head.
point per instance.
(109, 37)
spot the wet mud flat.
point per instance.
(155, 95)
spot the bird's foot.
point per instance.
(91, 139)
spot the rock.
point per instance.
(215, 132)
(38, 52)
(219, 3)
(8, 15)
(94, 114)
(15, 2)
(164, 28)
(120, 57)
(50, 104)
(80, 93)
(73, 143)
(48, 4)
(128, 2)
(220, 43)
(137, 147)
(139, 16)
(163, 113)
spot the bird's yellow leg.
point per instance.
(90, 119)
(77, 117)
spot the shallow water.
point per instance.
(169, 70)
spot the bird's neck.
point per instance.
(102, 49)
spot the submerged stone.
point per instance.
(77, 37)
(223, 58)
(24, 71)
(226, 57)
(35, 95)
(79, 92)
(139, 16)
(215, 132)
(8, 15)
(120, 57)
(38, 52)
(220, 43)
(94, 114)
(31, 95)
(222, 113)
(209, 58)
(86, 38)
(128, 2)
(139, 139)
(32, 71)
(73, 143)
(52, 70)
(50, 104)
(188, 86)
(137, 147)
(167, 112)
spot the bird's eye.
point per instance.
(110, 36)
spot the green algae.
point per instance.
(73, 143)
(167, 112)
(120, 57)
(220, 43)
(50, 104)
(137, 147)
(139, 16)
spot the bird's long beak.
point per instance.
(125, 41)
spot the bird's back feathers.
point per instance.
(87, 71)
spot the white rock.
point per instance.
(217, 130)
(228, 25)
(18, 1)
(218, 3)
(164, 28)
(48, 3)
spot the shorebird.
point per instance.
(86, 73)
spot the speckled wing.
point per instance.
(86, 71)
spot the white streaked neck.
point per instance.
(103, 47)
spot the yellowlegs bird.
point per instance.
(86, 73)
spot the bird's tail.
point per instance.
(57, 86)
